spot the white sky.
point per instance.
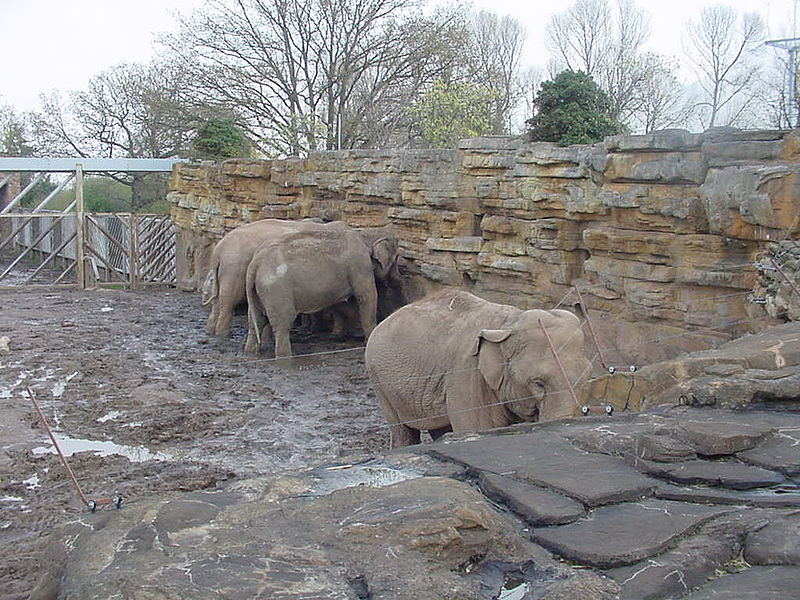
(60, 44)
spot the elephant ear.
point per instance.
(491, 362)
(384, 250)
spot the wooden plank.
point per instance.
(53, 254)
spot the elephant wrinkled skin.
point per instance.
(306, 272)
(455, 361)
(224, 287)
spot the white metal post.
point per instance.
(80, 265)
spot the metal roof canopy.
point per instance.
(89, 165)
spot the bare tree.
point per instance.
(627, 71)
(578, 37)
(302, 73)
(722, 49)
(130, 111)
(607, 42)
(664, 103)
(497, 44)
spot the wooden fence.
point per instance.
(87, 250)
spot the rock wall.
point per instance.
(659, 231)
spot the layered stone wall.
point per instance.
(659, 231)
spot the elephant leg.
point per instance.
(437, 433)
(367, 300)
(339, 328)
(257, 323)
(213, 316)
(281, 326)
(225, 309)
(400, 435)
(283, 343)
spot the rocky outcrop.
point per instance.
(660, 231)
(575, 512)
(758, 369)
(778, 286)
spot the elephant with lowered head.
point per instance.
(224, 287)
(305, 272)
(453, 361)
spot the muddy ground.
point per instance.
(135, 374)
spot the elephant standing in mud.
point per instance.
(224, 287)
(306, 272)
(455, 361)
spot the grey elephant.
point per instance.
(455, 361)
(306, 272)
(224, 287)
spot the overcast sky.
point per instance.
(60, 44)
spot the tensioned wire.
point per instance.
(560, 348)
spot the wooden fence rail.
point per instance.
(115, 248)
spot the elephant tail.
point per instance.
(210, 289)
(252, 306)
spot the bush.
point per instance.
(571, 109)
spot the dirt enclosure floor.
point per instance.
(149, 403)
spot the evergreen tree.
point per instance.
(571, 109)
(218, 139)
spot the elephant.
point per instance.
(453, 361)
(224, 287)
(306, 272)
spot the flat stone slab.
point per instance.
(722, 438)
(536, 505)
(756, 583)
(776, 544)
(781, 452)
(552, 462)
(733, 475)
(777, 497)
(689, 564)
(663, 448)
(624, 534)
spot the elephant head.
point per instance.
(516, 362)
(384, 249)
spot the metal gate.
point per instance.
(39, 246)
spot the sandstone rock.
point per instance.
(537, 505)
(662, 449)
(659, 235)
(738, 199)
(591, 479)
(776, 544)
(607, 265)
(780, 452)
(775, 497)
(726, 153)
(755, 583)
(690, 564)
(657, 167)
(457, 244)
(721, 439)
(625, 534)
(725, 474)
(665, 139)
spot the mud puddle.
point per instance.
(145, 403)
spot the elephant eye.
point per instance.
(536, 386)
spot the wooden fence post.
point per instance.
(133, 252)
